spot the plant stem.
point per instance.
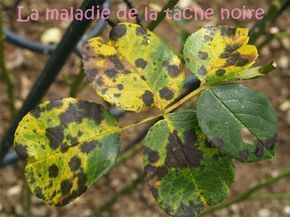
(271, 37)
(247, 194)
(161, 15)
(274, 11)
(126, 190)
(130, 153)
(26, 197)
(4, 72)
(275, 196)
(185, 99)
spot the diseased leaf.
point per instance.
(219, 54)
(67, 145)
(184, 173)
(134, 70)
(239, 121)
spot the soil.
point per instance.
(25, 66)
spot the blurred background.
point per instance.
(24, 52)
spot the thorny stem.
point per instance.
(248, 194)
(4, 72)
(161, 15)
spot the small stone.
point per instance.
(283, 62)
(286, 210)
(14, 190)
(264, 213)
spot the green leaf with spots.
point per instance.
(239, 121)
(184, 173)
(134, 70)
(67, 144)
(219, 54)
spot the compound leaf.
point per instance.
(184, 173)
(219, 54)
(239, 121)
(134, 70)
(67, 145)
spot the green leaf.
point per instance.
(67, 144)
(239, 121)
(184, 173)
(219, 54)
(134, 70)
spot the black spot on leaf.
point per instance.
(179, 156)
(259, 152)
(65, 187)
(141, 63)
(100, 81)
(207, 38)
(21, 151)
(140, 31)
(87, 147)
(166, 93)
(203, 55)
(244, 154)
(153, 156)
(148, 98)
(53, 171)
(120, 86)
(236, 60)
(111, 73)
(55, 136)
(189, 210)
(220, 72)
(82, 179)
(117, 95)
(75, 163)
(217, 142)
(272, 141)
(190, 139)
(228, 31)
(117, 62)
(202, 70)
(118, 32)
(232, 47)
(38, 193)
(173, 70)
(155, 192)
(91, 74)
(54, 104)
(89, 110)
(36, 112)
(64, 148)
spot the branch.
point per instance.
(270, 37)
(170, 5)
(275, 9)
